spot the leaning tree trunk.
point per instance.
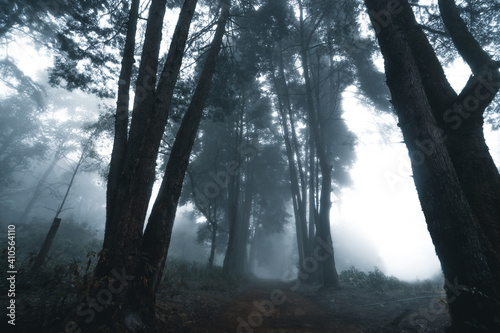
(472, 289)
(156, 239)
(460, 117)
(38, 189)
(49, 239)
(129, 192)
(134, 161)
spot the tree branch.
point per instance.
(468, 47)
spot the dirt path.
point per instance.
(274, 307)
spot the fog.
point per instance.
(376, 222)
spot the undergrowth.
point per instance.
(180, 274)
(378, 281)
(44, 299)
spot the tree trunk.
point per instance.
(129, 192)
(130, 184)
(122, 108)
(213, 244)
(247, 212)
(211, 217)
(460, 117)
(323, 232)
(47, 243)
(38, 190)
(297, 198)
(232, 262)
(472, 288)
(157, 235)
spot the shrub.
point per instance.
(195, 276)
(375, 280)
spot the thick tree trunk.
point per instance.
(323, 234)
(460, 117)
(476, 170)
(472, 289)
(157, 235)
(131, 188)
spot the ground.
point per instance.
(196, 299)
(278, 307)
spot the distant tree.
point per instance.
(20, 129)
(320, 154)
(457, 182)
(42, 254)
(88, 160)
(85, 37)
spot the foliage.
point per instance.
(482, 19)
(46, 300)
(378, 281)
(73, 240)
(180, 274)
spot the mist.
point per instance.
(237, 166)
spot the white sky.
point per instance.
(383, 203)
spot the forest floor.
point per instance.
(198, 300)
(278, 307)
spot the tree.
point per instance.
(84, 36)
(19, 125)
(311, 99)
(456, 179)
(132, 173)
(47, 243)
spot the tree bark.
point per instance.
(122, 107)
(297, 198)
(157, 235)
(472, 288)
(232, 261)
(323, 232)
(131, 188)
(460, 117)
